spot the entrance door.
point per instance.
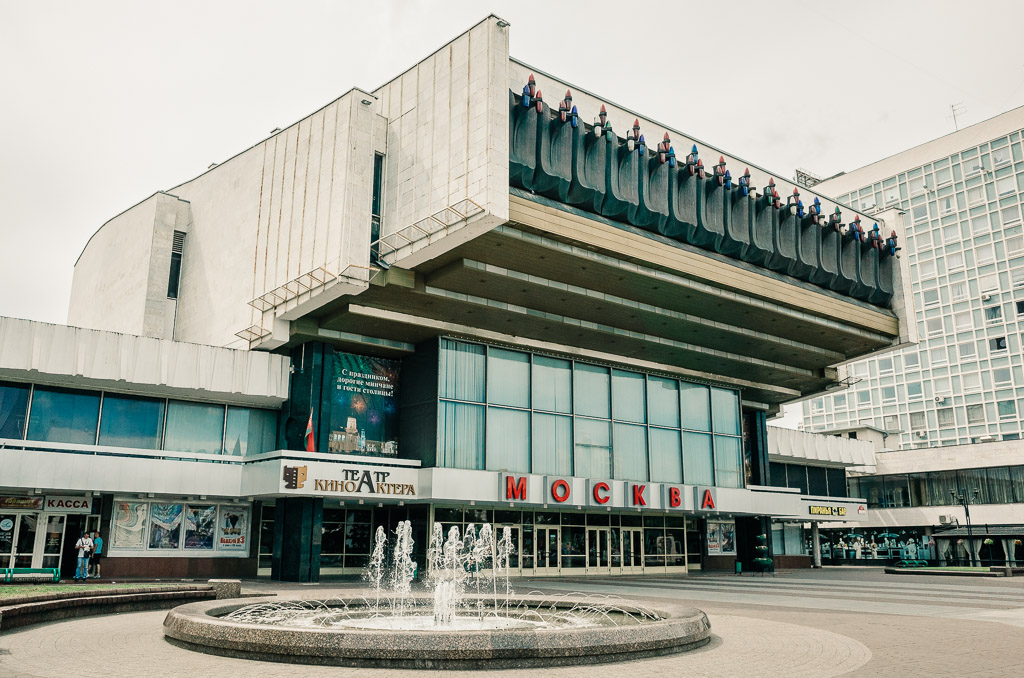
(549, 547)
(597, 549)
(632, 549)
(51, 538)
(515, 558)
(74, 525)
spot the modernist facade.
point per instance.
(493, 306)
(951, 408)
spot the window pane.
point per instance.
(666, 456)
(508, 378)
(131, 422)
(462, 371)
(552, 384)
(64, 416)
(728, 462)
(164, 526)
(725, 408)
(696, 407)
(194, 427)
(552, 444)
(461, 436)
(13, 406)
(663, 401)
(250, 431)
(628, 396)
(508, 440)
(697, 464)
(630, 449)
(592, 458)
(590, 391)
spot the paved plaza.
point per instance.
(831, 622)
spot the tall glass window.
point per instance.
(593, 449)
(698, 467)
(131, 422)
(630, 452)
(461, 436)
(508, 378)
(13, 408)
(590, 391)
(250, 431)
(552, 444)
(508, 440)
(726, 407)
(696, 406)
(62, 416)
(663, 402)
(628, 396)
(462, 371)
(666, 456)
(194, 427)
(728, 462)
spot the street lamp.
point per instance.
(964, 499)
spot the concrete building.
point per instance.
(950, 409)
(493, 307)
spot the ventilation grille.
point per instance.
(179, 242)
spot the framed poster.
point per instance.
(200, 524)
(233, 528)
(129, 524)
(364, 406)
(721, 538)
(165, 526)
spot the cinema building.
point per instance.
(465, 296)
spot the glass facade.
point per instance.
(994, 485)
(119, 420)
(510, 410)
(964, 244)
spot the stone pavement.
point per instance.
(808, 623)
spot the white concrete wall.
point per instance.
(786, 445)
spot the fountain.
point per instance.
(468, 617)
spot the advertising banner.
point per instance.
(364, 406)
(234, 528)
(721, 538)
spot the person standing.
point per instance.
(84, 546)
(97, 553)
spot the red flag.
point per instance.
(310, 445)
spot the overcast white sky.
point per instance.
(102, 103)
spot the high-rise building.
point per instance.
(962, 383)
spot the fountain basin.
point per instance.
(625, 632)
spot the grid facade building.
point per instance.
(960, 198)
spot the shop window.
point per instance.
(128, 421)
(64, 416)
(13, 408)
(194, 427)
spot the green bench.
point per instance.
(7, 574)
(912, 563)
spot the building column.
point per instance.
(815, 544)
(298, 525)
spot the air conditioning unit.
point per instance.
(944, 520)
(986, 297)
(921, 434)
(940, 399)
(987, 439)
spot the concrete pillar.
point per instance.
(298, 523)
(815, 545)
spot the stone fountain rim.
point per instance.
(197, 626)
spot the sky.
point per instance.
(103, 103)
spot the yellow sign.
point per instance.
(828, 510)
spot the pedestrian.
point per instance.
(97, 553)
(84, 546)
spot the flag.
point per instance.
(310, 445)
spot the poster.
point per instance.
(164, 526)
(364, 406)
(200, 524)
(233, 529)
(721, 538)
(129, 525)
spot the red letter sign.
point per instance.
(673, 497)
(560, 491)
(708, 502)
(638, 495)
(598, 496)
(515, 488)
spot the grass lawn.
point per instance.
(9, 593)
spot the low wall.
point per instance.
(178, 568)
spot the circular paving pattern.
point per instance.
(133, 645)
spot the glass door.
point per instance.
(632, 549)
(548, 550)
(53, 540)
(25, 545)
(597, 549)
(8, 521)
(516, 537)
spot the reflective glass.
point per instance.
(552, 444)
(508, 440)
(728, 462)
(697, 459)
(592, 451)
(666, 456)
(629, 447)
(590, 390)
(13, 406)
(461, 436)
(508, 378)
(725, 411)
(552, 384)
(194, 427)
(131, 422)
(462, 371)
(696, 406)
(60, 416)
(250, 431)
(663, 402)
(628, 396)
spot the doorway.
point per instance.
(632, 549)
(598, 549)
(515, 563)
(549, 547)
